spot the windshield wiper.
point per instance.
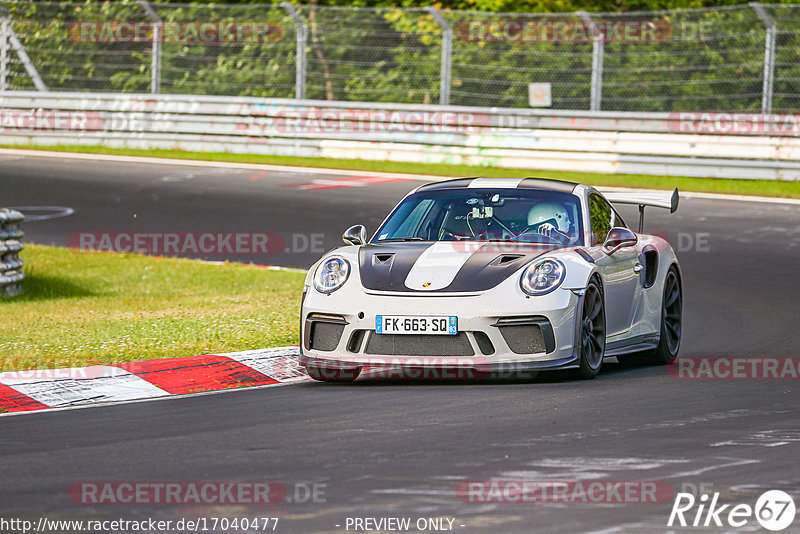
(401, 239)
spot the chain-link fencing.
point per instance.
(735, 58)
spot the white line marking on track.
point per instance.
(212, 164)
(734, 463)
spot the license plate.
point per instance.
(416, 324)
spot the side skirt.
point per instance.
(633, 344)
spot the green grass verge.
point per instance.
(769, 188)
(88, 308)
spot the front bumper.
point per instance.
(497, 331)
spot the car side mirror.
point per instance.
(355, 235)
(618, 238)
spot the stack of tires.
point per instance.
(11, 274)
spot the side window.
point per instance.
(600, 217)
(618, 220)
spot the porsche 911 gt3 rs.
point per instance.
(522, 274)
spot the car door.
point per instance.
(620, 279)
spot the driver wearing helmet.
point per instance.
(550, 219)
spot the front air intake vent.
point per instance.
(323, 331)
(325, 336)
(523, 339)
(484, 343)
(356, 338)
(527, 335)
(419, 345)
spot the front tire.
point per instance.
(327, 374)
(593, 332)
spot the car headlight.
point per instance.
(542, 277)
(331, 274)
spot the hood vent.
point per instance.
(505, 259)
(382, 259)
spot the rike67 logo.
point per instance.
(774, 510)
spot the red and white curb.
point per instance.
(24, 391)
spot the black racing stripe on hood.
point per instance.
(391, 274)
(483, 270)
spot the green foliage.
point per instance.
(48, 33)
(520, 6)
(701, 60)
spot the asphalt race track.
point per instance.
(400, 449)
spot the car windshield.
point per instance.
(518, 215)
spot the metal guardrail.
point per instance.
(746, 146)
(10, 246)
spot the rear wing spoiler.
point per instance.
(657, 200)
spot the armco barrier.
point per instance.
(712, 145)
(10, 245)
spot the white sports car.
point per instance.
(495, 274)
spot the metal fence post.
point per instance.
(21, 53)
(598, 49)
(26, 61)
(4, 59)
(301, 29)
(155, 59)
(769, 56)
(155, 70)
(445, 71)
